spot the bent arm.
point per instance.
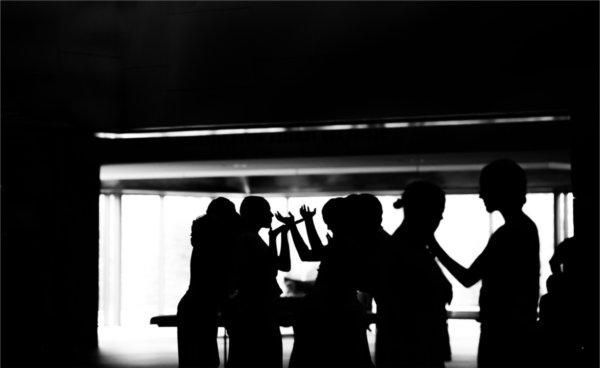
(305, 254)
(313, 237)
(466, 276)
(283, 261)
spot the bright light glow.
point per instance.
(155, 248)
(327, 127)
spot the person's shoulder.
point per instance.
(528, 224)
(517, 233)
(200, 223)
(524, 227)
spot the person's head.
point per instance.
(200, 228)
(221, 208)
(256, 212)
(220, 214)
(423, 203)
(502, 185)
(351, 214)
(369, 211)
(333, 213)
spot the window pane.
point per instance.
(140, 258)
(569, 213)
(463, 233)
(540, 208)
(179, 213)
(156, 247)
(392, 217)
(102, 264)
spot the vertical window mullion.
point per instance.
(114, 266)
(161, 256)
(557, 219)
(104, 255)
(565, 216)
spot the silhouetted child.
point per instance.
(254, 327)
(413, 293)
(508, 269)
(557, 331)
(562, 323)
(212, 238)
(333, 304)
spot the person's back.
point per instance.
(510, 282)
(413, 292)
(212, 243)
(253, 314)
(333, 304)
(412, 329)
(197, 312)
(508, 269)
(257, 267)
(509, 294)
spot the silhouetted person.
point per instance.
(330, 330)
(254, 327)
(566, 258)
(508, 269)
(411, 301)
(212, 239)
(557, 337)
(562, 321)
(370, 238)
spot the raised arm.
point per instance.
(306, 255)
(284, 253)
(466, 276)
(311, 230)
(283, 259)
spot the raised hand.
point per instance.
(288, 221)
(306, 213)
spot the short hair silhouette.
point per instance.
(220, 207)
(253, 206)
(370, 209)
(332, 210)
(504, 179)
(422, 196)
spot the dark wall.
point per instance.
(114, 66)
(585, 165)
(201, 63)
(62, 62)
(69, 69)
(50, 184)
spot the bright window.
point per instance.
(145, 244)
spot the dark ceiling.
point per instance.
(122, 66)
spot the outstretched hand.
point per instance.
(306, 212)
(286, 220)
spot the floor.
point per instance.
(153, 346)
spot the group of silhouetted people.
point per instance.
(233, 275)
